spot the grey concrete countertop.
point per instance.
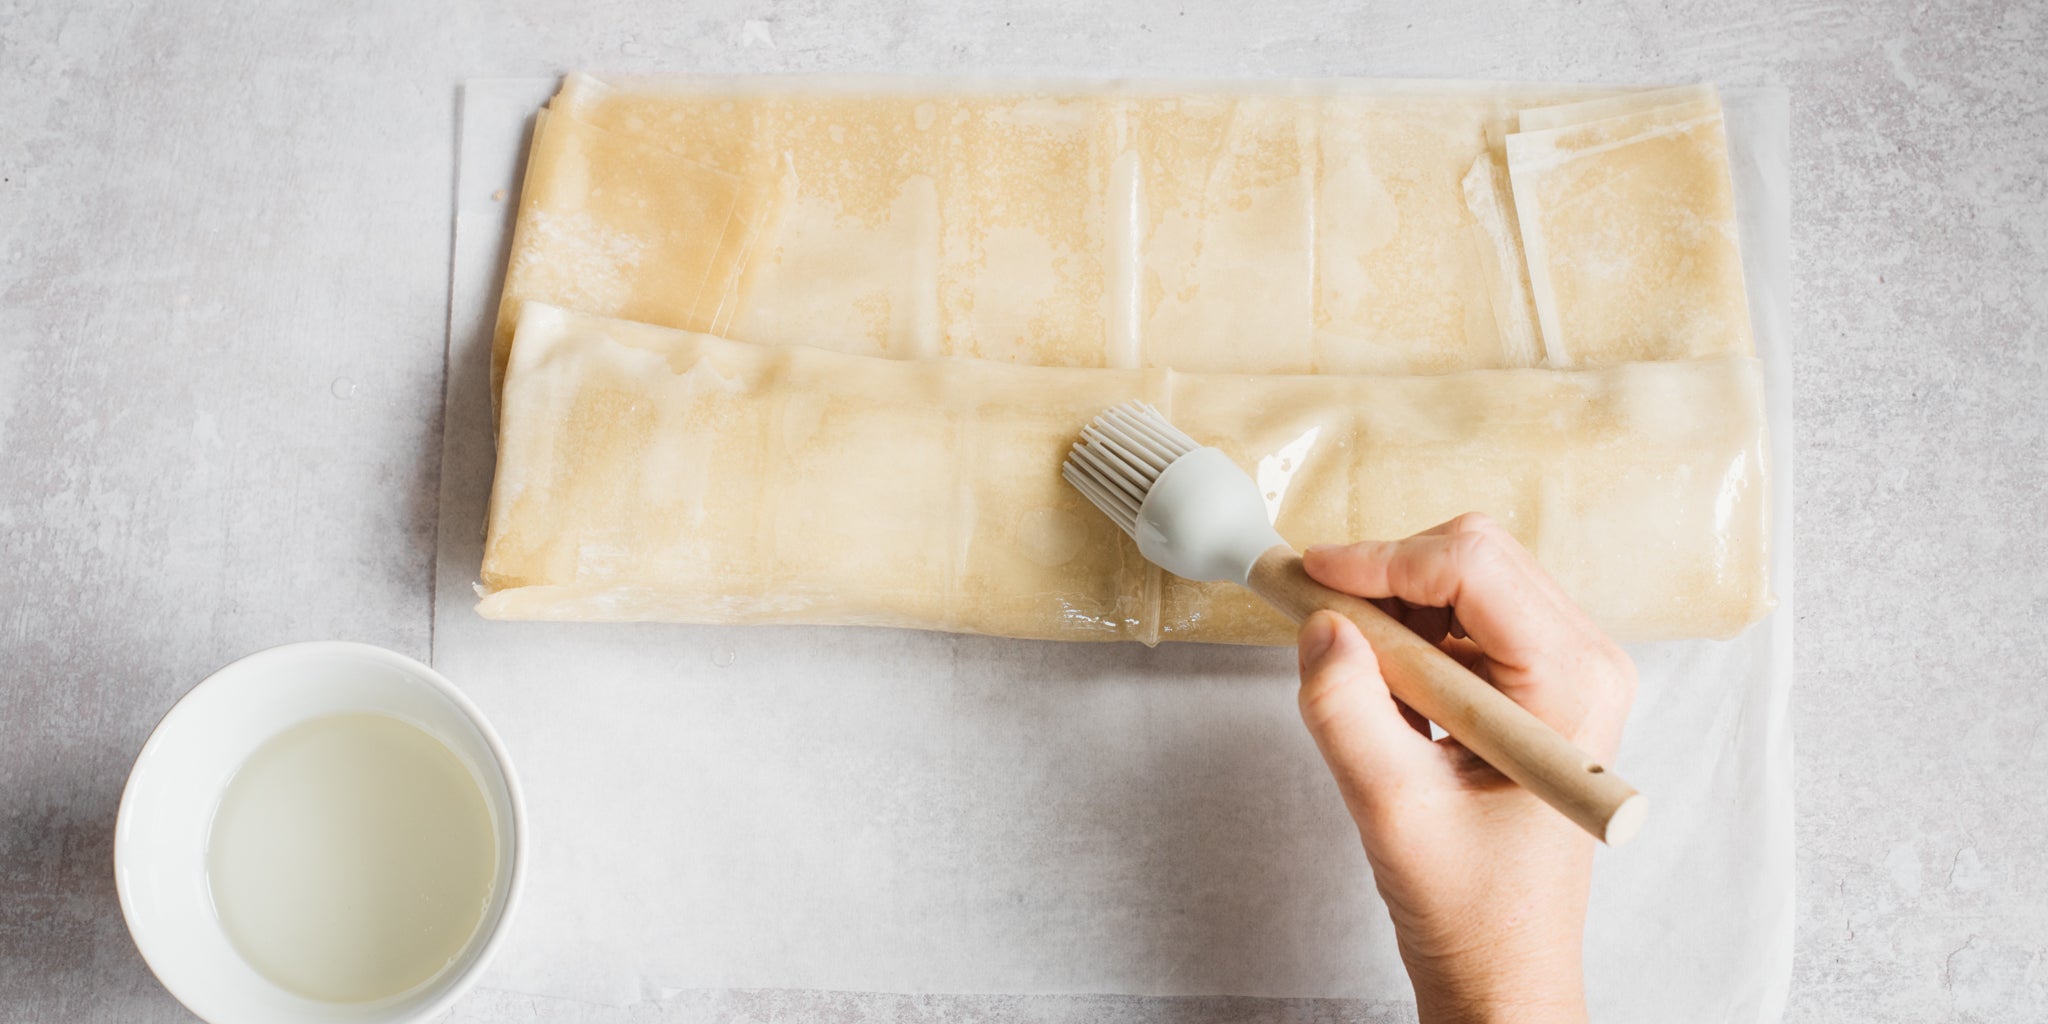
(224, 245)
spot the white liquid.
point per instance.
(351, 858)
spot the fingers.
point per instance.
(1501, 598)
(1365, 736)
(1524, 632)
(1395, 568)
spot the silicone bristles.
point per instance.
(1120, 456)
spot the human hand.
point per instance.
(1486, 884)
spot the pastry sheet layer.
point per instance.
(609, 222)
(1628, 226)
(1327, 227)
(653, 474)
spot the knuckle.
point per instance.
(1320, 708)
(1328, 695)
(1605, 673)
(1329, 676)
(1373, 552)
(1471, 550)
(1475, 523)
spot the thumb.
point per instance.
(1368, 744)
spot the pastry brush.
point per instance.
(1195, 514)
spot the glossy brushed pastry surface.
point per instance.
(652, 474)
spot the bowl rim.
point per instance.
(463, 980)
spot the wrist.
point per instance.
(1539, 1010)
(1500, 990)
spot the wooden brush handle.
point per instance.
(1490, 724)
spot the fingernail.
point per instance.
(1317, 635)
(1320, 549)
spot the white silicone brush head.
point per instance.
(1192, 511)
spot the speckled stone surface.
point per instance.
(224, 244)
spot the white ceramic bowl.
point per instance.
(167, 812)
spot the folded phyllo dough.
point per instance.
(646, 473)
(609, 223)
(1628, 224)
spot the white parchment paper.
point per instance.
(899, 811)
